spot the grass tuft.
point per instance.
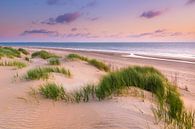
(52, 91)
(9, 52)
(17, 64)
(54, 61)
(170, 107)
(44, 55)
(24, 51)
(44, 72)
(98, 64)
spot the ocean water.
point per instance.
(159, 49)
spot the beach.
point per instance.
(19, 110)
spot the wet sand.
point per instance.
(19, 110)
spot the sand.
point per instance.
(19, 110)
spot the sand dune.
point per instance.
(19, 110)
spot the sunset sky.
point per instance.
(97, 20)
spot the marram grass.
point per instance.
(44, 72)
(16, 64)
(44, 55)
(98, 64)
(54, 61)
(24, 51)
(52, 91)
(170, 106)
(9, 52)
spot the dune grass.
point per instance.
(24, 51)
(9, 52)
(17, 64)
(98, 64)
(54, 61)
(52, 91)
(44, 55)
(170, 106)
(76, 56)
(152, 80)
(44, 72)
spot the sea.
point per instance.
(169, 49)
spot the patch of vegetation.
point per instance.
(170, 106)
(44, 55)
(44, 72)
(147, 78)
(98, 64)
(9, 52)
(17, 64)
(24, 51)
(27, 59)
(76, 56)
(52, 91)
(54, 61)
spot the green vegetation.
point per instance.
(98, 64)
(76, 56)
(17, 64)
(52, 91)
(44, 55)
(9, 52)
(24, 51)
(170, 107)
(54, 61)
(44, 72)
(27, 59)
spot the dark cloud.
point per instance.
(52, 2)
(190, 2)
(161, 33)
(94, 18)
(74, 29)
(91, 3)
(151, 14)
(66, 18)
(87, 35)
(40, 31)
(156, 32)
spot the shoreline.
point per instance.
(124, 54)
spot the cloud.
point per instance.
(190, 2)
(156, 32)
(52, 2)
(74, 29)
(40, 31)
(161, 33)
(65, 18)
(94, 18)
(151, 14)
(91, 3)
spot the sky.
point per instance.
(97, 20)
